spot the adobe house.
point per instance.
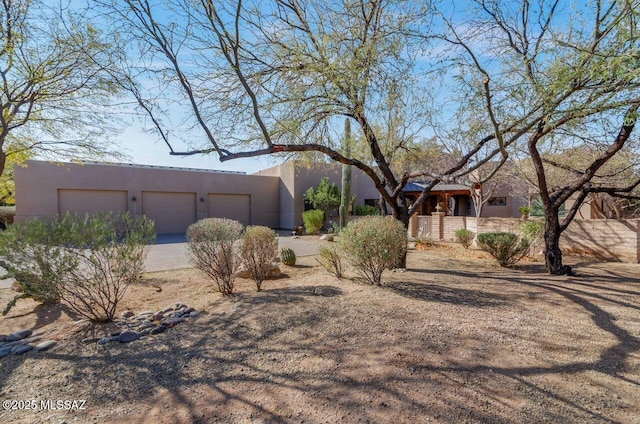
(175, 197)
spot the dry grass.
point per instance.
(453, 339)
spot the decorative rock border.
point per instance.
(133, 327)
(19, 342)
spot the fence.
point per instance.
(609, 239)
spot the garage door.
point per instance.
(171, 212)
(232, 206)
(91, 201)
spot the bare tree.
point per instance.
(53, 88)
(568, 75)
(276, 77)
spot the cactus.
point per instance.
(287, 256)
(346, 176)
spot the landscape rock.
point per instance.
(45, 345)
(274, 272)
(194, 314)
(4, 351)
(128, 336)
(88, 340)
(20, 349)
(170, 322)
(18, 335)
(2, 337)
(127, 314)
(159, 329)
(105, 340)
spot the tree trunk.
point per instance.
(3, 161)
(552, 252)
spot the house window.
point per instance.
(497, 201)
(371, 202)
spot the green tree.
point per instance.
(54, 90)
(324, 197)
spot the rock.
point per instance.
(127, 314)
(145, 325)
(165, 310)
(128, 336)
(177, 314)
(180, 306)
(18, 335)
(411, 246)
(146, 313)
(5, 351)
(324, 237)
(20, 349)
(105, 340)
(159, 329)
(157, 316)
(399, 270)
(189, 310)
(274, 272)
(170, 322)
(145, 332)
(88, 340)
(318, 291)
(114, 333)
(3, 337)
(45, 345)
(194, 314)
(31, 339)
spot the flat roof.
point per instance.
(135, 165)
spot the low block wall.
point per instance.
(614, 240)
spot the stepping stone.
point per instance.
(45, 345)
(18, 335)
(20, 349)
(128, 336)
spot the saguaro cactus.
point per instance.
(345, 195)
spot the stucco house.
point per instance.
(176, 197)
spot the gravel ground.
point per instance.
(452, 339)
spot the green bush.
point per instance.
(507, 248)
(87, 262)
(364, 210)
(331, 261)
(258, 249)
(287, 256)
(533, 231)
(464, 237)
(313, 220)
(374, 243)
(210, 244)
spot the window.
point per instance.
(371, 202)
(497, 201)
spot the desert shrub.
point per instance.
(464, 237)
(287, 256)
(524, 210)
(507, 248)
(258, 249)
(374, 243)
(364, 210)
(313, 220)
(533, 231)
(330, 260)
(87, 262)
(210, 244)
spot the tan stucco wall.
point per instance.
(38, 183)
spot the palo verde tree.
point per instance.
(559, 75)
(281, 76)
(53, 88)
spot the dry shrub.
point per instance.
(374, 243)
(506, 248)
(87, 262)
(464, 237)
(330, 260)
(210, 244)
(258, 249)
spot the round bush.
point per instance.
(507, 248)
(210, 243)
(313, 220)
(464, 237)
(374, 243)
(258, 249)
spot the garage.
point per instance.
(171, 212)
(84, 202)
(231, 206)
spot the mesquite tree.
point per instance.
(567, 74)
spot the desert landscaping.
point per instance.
(454, 338)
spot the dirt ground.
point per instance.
(454, 339)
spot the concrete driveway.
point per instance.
(170, 252)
